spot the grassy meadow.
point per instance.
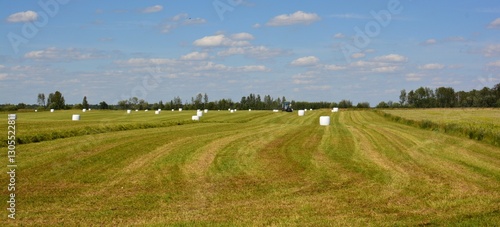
(249, 168)
(478, 124)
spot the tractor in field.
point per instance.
(286, 106)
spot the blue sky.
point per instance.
(305, 51)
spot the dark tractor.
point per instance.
(287, 106)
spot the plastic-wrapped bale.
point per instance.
(157, 112)
(301, 112)
(76, 117)
(324, 120)
(195, 118)
(199, 113)
(129, 111)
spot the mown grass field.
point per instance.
(478, 124)
(248, 168)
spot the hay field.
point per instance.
(247, 168)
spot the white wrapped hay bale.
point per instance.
(301, 112)
(324, 120)
(84, 110)
(52, 110)
(195, 118)
(129, 111)
(335, 109)
(76, 117)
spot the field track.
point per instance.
(260, 168)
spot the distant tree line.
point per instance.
(423, 97)
(446, 97)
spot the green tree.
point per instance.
(363, 105)
(85, 104)
(41, 99)
(103, 105)
(56, 101)
(402, 97)
(345, 104)
(382, 105)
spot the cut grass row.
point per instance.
(36, 127)
(263, 169)
(478, 124)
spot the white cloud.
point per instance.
(195, 56)
(257, 25)
(298, 17)
(318, 87)
(242, 36)
(305, 61)
(152, 9)
(413, 77)
(253, 68)
(339, 36)
(219, 41)
(69, 54)
(146, 62)
(385, 69)
(358, 55)
(429, 42)
(432, 66)
(495, 23)
(494, 64)
(391, 58)
(182, 19)
(334, 67)
(259, 52)
(491, 50)
(3, 76)
(26, 16)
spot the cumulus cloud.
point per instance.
(305, 61)
(491, 50)
(432, 66)
(358, 55)
(219, 41)
(181, 19)
(391, 58)
(195, 56)
(334, 67)
(152, 9)
(259, 52)
(385, 69)
(252, 68)
(429, 42)
(242, 36)
(495, 64)
(298, 17)
(495, 24)
(413, 77)
(70, 54)
(26, 16)
(339, 36)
